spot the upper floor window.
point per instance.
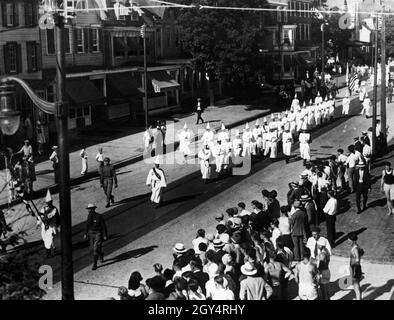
(12, 58)
(95, 40)
(9, 12)
(80, 39)
(50, 35)
(32, 54)
(279, 15)
(30, 14)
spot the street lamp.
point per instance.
(10, 118)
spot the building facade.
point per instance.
(289, 49)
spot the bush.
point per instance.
(19, 279)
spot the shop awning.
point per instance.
(82, 91)
(161, 81)
(122, 85)
(302, 61)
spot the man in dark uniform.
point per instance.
(363, 184)
(199, 111)
(96, 230)
(108, 178)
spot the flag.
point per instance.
(352, 81)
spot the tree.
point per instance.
(336, 39)
(224, 43)
(19, 278)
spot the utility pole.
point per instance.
(383, 86)
(375, 88)
(143, 35)
(322, 52)
(67, 272)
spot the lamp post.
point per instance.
(143, 36)
(322, 51)
(9, 122)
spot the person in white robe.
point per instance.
(331, 107)
(228, 150)
(223, 134)
(367, 107)
(325, 110)
(148, 141)
(184, 142)
(292, 120)
(247, 138)
(84, 158)
(205, 156)
(311, 116)
(295, 103)
(318, 114)
(49, 222)
(156, 179)
(318, 98)
(346, 104)
(258, 138)
(237, 143)
(219, 152)
(305, 139)
(208, 136)
(287, 141)
(265, 133)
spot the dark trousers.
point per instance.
(330, 222)
(96, 244)
(361, 190)
(107, 186)
(298, 250)
(199, 117)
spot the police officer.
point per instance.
(96, 230)
(108, 178)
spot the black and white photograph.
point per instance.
(210, 151)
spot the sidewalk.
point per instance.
(128, 149)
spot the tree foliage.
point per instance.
(223, 42)
(18, 279)
(339, 38)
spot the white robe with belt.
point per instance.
(184, 143)
(345, 106)
(157, 183)
(205, 156)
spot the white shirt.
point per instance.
(342, 158)
(311, 244)
(367, 151)
(222, 294)
(196, 242)
(244, 212)
(331, 207)
(284, 225)
(99, 157)
(351, 160)
(275, 235)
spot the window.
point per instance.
(291, 7)
(51, 41)
(12, 58)
(32, 56)
(67, 40)
(9, 14)
(95, 39)
(279, 16)
(132, 46)
(80, 40)
(305, 32)
(299, 8)
(30, 14)
(119, 46)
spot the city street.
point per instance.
(139, 240)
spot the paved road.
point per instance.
(190, 206)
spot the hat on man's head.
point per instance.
(236, 237)
(248, 269)
(107, 159)
(305, 197)
(48, 197)
(179, 248)
(91, 206)
(217, 243)
(26, 141)
(361, 164)
(55, 147)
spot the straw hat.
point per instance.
(179, 248)
(248, 269)
(91, 206)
